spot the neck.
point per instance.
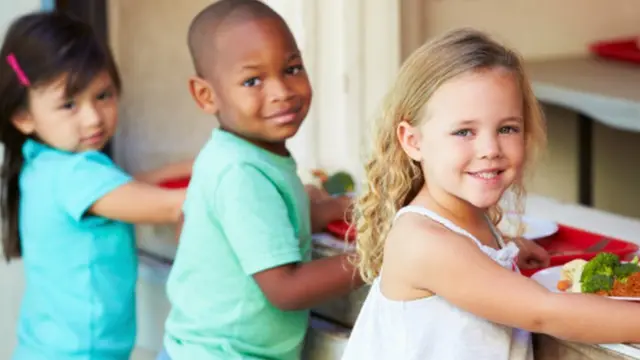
(278, 147)
(451, 207)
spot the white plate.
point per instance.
(534, 228)
(549, 278)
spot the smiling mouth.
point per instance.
(285, 117)
(486, 175)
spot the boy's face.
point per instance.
(259, 88)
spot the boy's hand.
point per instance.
(329, 209)
(532, 255)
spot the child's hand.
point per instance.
(329, 209)
(532, 255)
(342, 205)
(316, 193)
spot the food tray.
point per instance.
(619, 49)
(567, 244)
(179, 183)
(342, 230)
(571, 243)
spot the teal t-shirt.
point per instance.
(80, 270)
(246, 211)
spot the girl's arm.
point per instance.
(172, 171)
(138, 202)
(450, 265)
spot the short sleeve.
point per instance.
(255, 219)
(84, 179)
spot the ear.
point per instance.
(23, 121)
(409, 137)
(203, 94)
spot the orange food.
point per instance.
(630, 288)
(564, 285)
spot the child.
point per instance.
(458, 129)
(242, 282)
(66, 205)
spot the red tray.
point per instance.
(620, 49)
(568, 243)
(180, 183)
(341, 229)
(572, 243)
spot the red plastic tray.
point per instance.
(568, 244)
(619, 49)
(574, 243)
(341, 229)
(180, 183)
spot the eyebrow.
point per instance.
(293, 56)
(473, 121)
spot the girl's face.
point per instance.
(85, 121)
(471, 144)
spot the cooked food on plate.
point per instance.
(603, 275)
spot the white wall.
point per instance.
(545, 29)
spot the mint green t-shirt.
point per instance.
(246, 211)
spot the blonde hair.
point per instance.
(393, 179)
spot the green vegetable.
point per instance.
(623, 271)
(597, 283)
(601, 264)
(339, 183)
(635, 260)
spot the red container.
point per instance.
(342, 230)
(180, 183)
(571, 243)
(565, 245)
(620, 49)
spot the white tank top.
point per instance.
(432, 328)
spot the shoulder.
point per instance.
(418, 244)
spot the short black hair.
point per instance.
(207, 23)
(45, 46)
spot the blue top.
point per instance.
(80, 270)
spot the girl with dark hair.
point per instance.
(66, 207)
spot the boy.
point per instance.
(243, 280)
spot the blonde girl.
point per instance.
(459, 128)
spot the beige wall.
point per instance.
(160, 122)
(545, 29)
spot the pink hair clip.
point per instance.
(22, 77)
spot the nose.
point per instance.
(91, 116)
(488, 146)
(278, 90)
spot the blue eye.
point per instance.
(463, 133)
(254, 81)
(509, 130)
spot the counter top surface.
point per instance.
(607, 91)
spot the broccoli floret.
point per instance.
(597, 283)
(622, 271)
(601, 264)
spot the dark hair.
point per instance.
(45, 45)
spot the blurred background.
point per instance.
(352, 49)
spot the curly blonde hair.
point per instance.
(393, 179)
